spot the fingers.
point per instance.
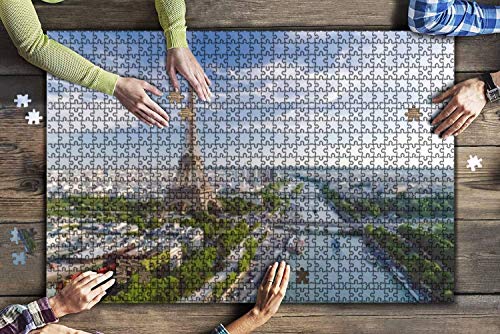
(173, 79)
(279, 276)
(150, 88)
(285, 280)
(269, 278)
(456, 126)
(444, 96)
(102, 289)
(96, 300)
(207, 80)
(197, 86)
(87, 279)
(465, 125)
(204, 86)
(99, 279)
(143, 117)
(448, 122)
(448, 110)
(156, 112)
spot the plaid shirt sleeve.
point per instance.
(220, 330)
(453, 17)
(15, 319)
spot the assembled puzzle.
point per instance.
(316, 149)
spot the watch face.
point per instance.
(493, 94)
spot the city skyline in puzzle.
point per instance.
(316, 149)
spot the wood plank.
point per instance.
(468, 314)
(477, 259)
(22, 151)
(477, 194)
(12, 63)
(27, 278)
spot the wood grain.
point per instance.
(477, 193)
(27, 279)
(22, 176)
(469, 314)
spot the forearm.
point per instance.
(21, 22)
(453, 17)
(24, 318)
(172, 16)
(245, 324)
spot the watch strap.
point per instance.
(488, 80)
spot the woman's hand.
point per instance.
(269, 297)
(183, 61)
(57, 329)
(467, 99)
(79, 294)
(131, 93)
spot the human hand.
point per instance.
(79, 294)
(57, 329)
(131, 93)
(183, 61)
(269, 296)
(467, 99)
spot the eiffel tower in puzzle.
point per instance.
(192, 190)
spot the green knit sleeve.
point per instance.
(172, 15)
(21, 21)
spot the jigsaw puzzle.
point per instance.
(316, 149)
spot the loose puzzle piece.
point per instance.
(474, 162)
(15, 235)
(22, 101)
(19, 259)
(312, 151)
(33, 117)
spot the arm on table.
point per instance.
(453, 17)
(21, 21)
(25, 318)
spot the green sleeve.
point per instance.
(172, 15)
(21, 21)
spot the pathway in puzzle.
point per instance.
(316, 149)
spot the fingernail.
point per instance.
(209, 99)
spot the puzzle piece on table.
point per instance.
(474, 162)
(33, 117)
(316, 149)
(22, 101)
(15, 235)
(19, 258)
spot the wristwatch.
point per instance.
(492, 91)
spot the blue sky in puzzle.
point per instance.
(302, 98)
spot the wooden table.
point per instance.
(22, 176)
